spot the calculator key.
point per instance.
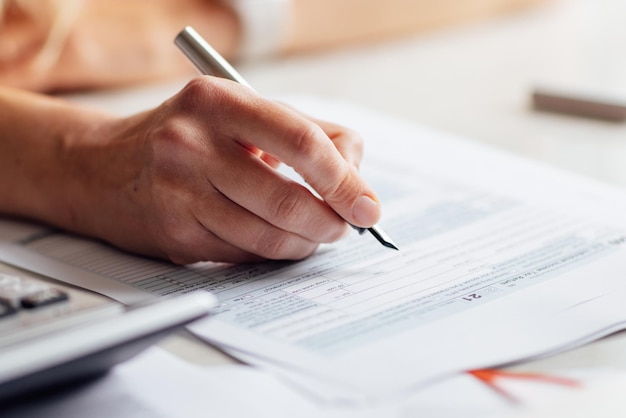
(43, 297)
(7, 280)
(6, 310)
(12, 294)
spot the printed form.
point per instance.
(500, 260)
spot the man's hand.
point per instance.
(190, 180)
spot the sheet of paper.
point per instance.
(501, 259)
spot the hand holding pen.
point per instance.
(185, 181)
(210, 62)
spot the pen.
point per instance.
(210, 62)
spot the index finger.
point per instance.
(303, 145)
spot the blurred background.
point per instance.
(475, 77)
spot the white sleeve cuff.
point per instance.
(264, 26)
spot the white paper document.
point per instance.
(501, 259)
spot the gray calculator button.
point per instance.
(43, 297)
(6, 310)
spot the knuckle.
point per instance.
(171, 130)
(205, 92)
(273, 244)
(195, 93)
(357, 141)
(223, 97)
(183, 245)
(169, 144)
(342, 190)
(172, 238)
(288, 206)
(176, 234)
(180, 259)
(354, 136)
(303, 137)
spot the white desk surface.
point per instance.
(475, 80)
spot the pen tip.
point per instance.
(382, 237)
(390, 245)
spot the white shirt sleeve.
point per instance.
(264, 24)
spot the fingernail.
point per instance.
(366, 211)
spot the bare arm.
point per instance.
(326, 23)
(107, 43)
(121, 42)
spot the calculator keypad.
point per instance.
(18, 293)
(31, 306)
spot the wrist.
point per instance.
(38, 159)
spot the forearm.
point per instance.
(120, 42)
(107, 42)
(36, 136)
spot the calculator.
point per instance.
(52, 334)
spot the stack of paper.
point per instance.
(501, 259)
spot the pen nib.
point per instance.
(382, 237)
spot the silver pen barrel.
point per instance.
(205, 58)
